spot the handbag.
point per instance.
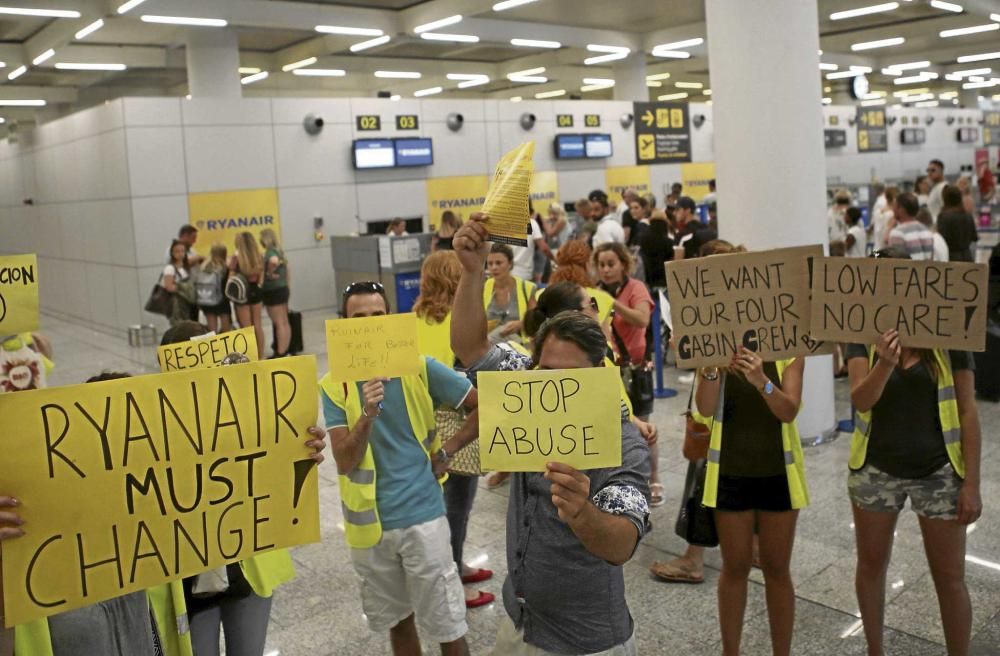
(160, 301)
(465, 461)
(695, 521)
(696, 435)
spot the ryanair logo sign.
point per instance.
(220, 216)
(463, 195)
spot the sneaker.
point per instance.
(686, 379)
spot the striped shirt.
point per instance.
(914, 238)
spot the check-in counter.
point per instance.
(393, 261)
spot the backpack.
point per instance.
(237, 288)
(208, 288)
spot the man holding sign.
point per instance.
(389, 457)
(568, 532)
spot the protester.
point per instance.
(588, 224)
(710, 198)
(439, 276)
(935, 178)
(922, 189)
(656, 248)
(506, 297)
(176, 279)
(957, 226)
(986, 182)
(639, 211)
(450, 223)
(565, 589)
(675, 194)
(909, 234)
(856, 241)
(836, 224)
(525, 264)
(573, 262)
(623, 212)
(274, 292)
(916, 435)
(389, 458)
(964, 184)
(608, 228)
(557, 227)
(882, 216)
(210, 286)
(248, 262)
(397, 228)
(940, 246)
(692, 234)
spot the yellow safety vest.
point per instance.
(523, 289)
(951, 425)
(605, 302)
(434, 339)
(790, 444)
(358, 502)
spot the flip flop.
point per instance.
(674, 573)
(656, 497)
(483, 599)
(477, 576)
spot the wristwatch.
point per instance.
(443, 456)
(768, 388)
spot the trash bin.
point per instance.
(142, 335)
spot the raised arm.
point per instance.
(469, 334)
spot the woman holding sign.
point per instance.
(916, 435)
(755, 475)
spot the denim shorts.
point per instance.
(934, 496)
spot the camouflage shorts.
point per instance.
(934, 496)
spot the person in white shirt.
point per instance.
(935, 174)
(710, 197)
(941, 252)
(608, 228)
(397, 228)
(836, 226)
(882, 217)
(524, 256)
(856, 242)
(909, 234)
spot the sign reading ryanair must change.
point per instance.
(221, 215)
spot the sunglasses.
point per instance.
(364, 287)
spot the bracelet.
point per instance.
(364, 411)
(710, 376)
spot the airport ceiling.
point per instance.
(465, 48)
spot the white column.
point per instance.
(213, 61)
(630, 79)
(769, 159)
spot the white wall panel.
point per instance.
(384, 200)
(291, 111)
(336, 204)
(303, 159)
(152, 111)
(223, 158)
(226, 111)
(156, 161)
(114, 165)
(458, 153)
(128, 299)
(157, 220)
(313, 283)
(101, 294)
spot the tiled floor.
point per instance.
(319, 613)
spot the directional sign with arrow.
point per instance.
(662, 133)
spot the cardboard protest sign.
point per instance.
(373, 347)
(530, 418)
(931, 304)
(18, 294)
(130, 483)
(507, 198)
(208, 352)
(757, 300)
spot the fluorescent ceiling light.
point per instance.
(256, 77)
(2, 120)
(465, 76)
(918, 97)
(653, 83)
(973, 71)
(861, 69)
(550, 94)
(874, 102)
(444, 22)
(90, 29)
(45, 56)
(527, 71)
(456, 38)
(864, 11)
(673, 96)
(595, 87)
(535, 43)
(910, 92)
(659, 76)
(839, 75)
(927, 103)
(881, 43)
(17, 72)
(248, 70)
(184, 20)
(689, 85)
(827, 101)
(427, 92)
(975, 29)
(515, 98)
(908, 66)
(308, 61)
(995, 17)
(601, 59)
(891, 72)
(474, 83)
(671, 54)
(828, 67)
(348, 31)
(912, 79)
(44, 13)
(22, 103)
(3, 64)
(595, 47)
(528, 79)
(370, 43)
(69, 66)
(680, 45)
(606, 81)
(508, 4)
(948, 95)
(985, 84)
(965, 59)
(320, 72)
(128, 6)
(947, 6)
(398, 75)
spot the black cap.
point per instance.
(686, 202)
(598, 196)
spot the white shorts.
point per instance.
(510, 642)
(411, 571)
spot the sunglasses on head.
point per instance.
(364, 287)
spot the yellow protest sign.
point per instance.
(695, 177)
(373, 347)
(18, 294)
(220, 216)
(530, 418)
(463, 195)
(544, 190)
(507, 198)
(207, 352)
(619, 178)
(127, 484)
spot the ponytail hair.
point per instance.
(557, 298)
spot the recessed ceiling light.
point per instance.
(256, 77)
(427, 92)
(864, 11)
(433, 25)
(947, 6)
(320, 72)
(45, 56)
(689, 85)
(673, 96)
(680, 45)
(184, 20)
(965, 59)
(22, 103)
(535, 43)
(975, 29)
(308, 61)
(17, 72)
(508, 4)
(90, 29)
(550, 94)
(2, 120)
(659, 76)
(456, 38)
(881, 43)
(370, 43)
(44, 13)
(399, 75)
(348, 31)
(69, 66)
(128, 6)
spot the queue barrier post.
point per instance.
(659, 391)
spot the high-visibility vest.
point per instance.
(362, 527)
(524, 290)
(791, 445)
(434, 339)
(951, 425)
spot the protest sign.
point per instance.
(129, 483)
(931, 304)
(530, 418)
(208, 352)
(757, 300)
(507, 198)
(373, 347)
(18, 294)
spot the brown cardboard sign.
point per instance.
(758, 300)
(931, 304)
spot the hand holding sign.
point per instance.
(208, 352)
(570, 490)
(18, 294)
(372, 347)
(507, 198)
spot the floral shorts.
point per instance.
(934, 496)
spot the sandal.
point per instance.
(483, 599)
(477, 576)
(656, 497)
(675, 571)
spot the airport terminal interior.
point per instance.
(351, 138)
